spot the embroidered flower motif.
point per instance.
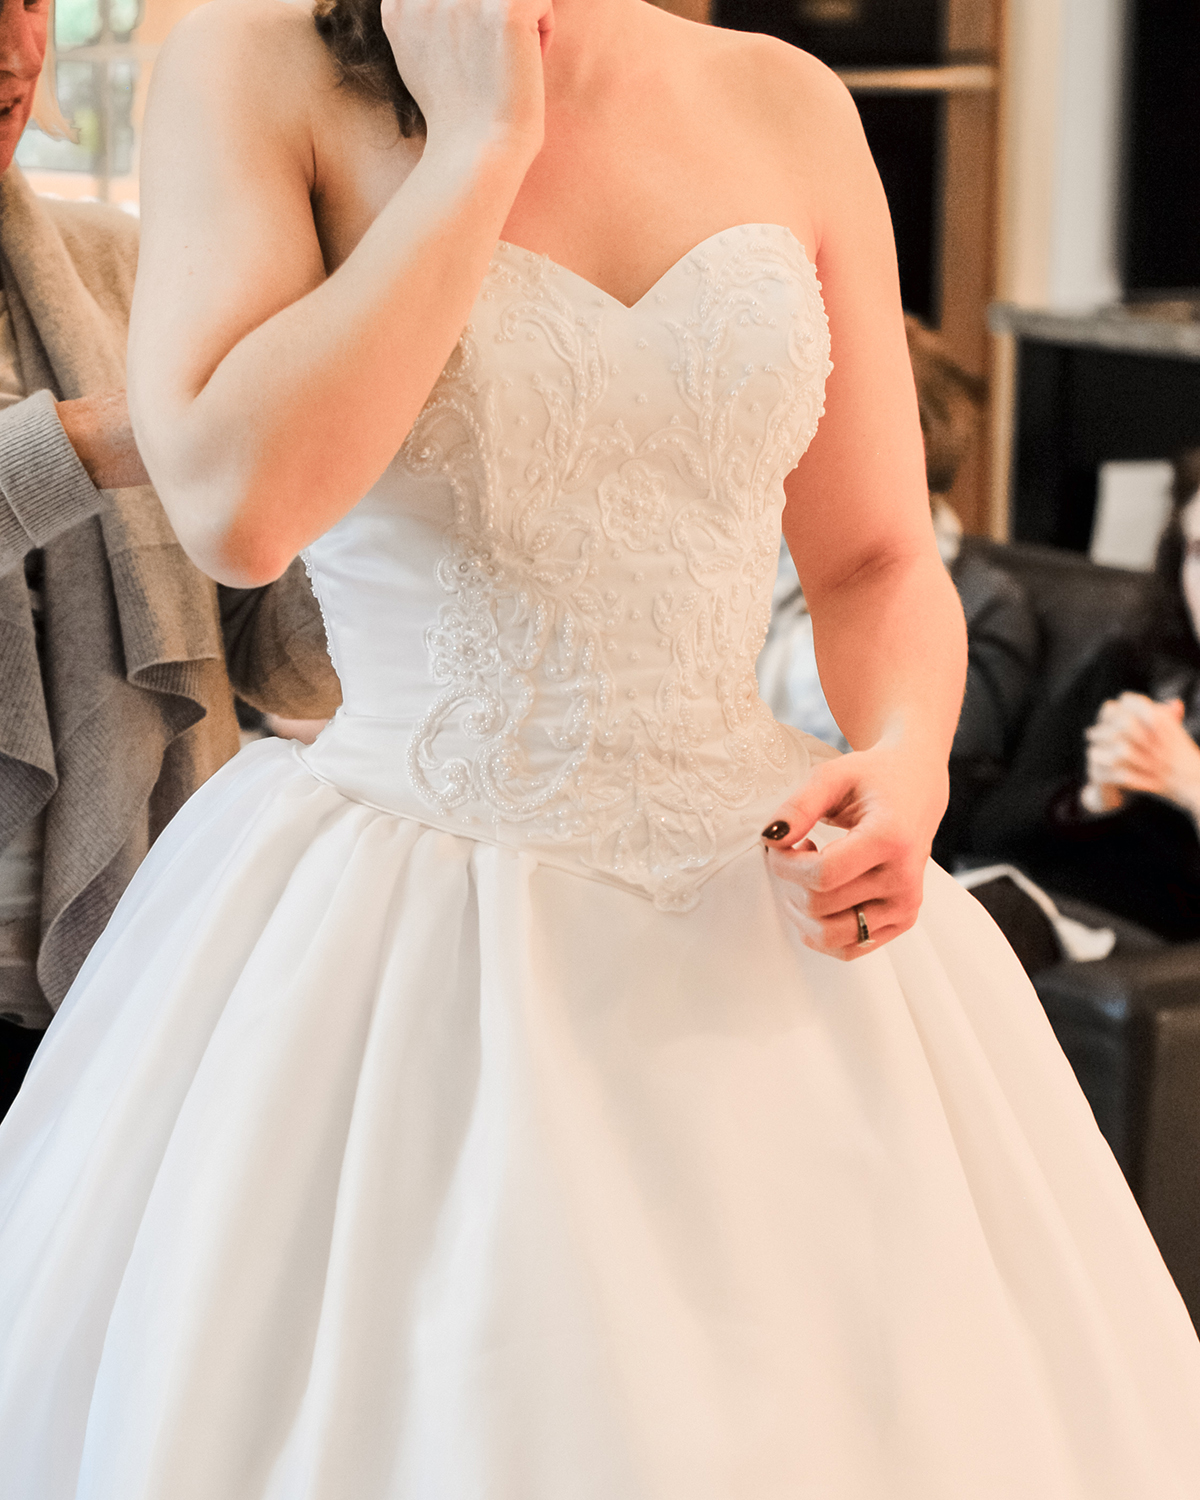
(462, 645)
(633, 504)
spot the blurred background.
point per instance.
(105, 51)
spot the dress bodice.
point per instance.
(546, 614)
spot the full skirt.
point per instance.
(369, 1162)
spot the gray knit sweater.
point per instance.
(128, 707)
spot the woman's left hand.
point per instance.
(1142, 746)
(891, 802)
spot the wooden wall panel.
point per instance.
(693, 10)
(969, 272)
(970, 184)
(972, 29)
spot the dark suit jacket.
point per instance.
(1003, 647)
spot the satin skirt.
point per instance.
(369, 1161)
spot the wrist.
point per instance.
(465, 182)
(482, 153)
(75, 417)
(920, 765)
(916, 741)
(1187, 796)
(98, 429)
(1095, 799)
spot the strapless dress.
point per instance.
(449, 1112)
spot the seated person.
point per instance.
(1002, 632)
(1104, 806)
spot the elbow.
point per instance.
(242, 556)
(224, 517)
(230, 542)
(241, 569)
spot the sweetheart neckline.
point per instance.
(632, 307)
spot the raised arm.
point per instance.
(266, 395)
(888, 627)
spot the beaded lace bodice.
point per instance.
(587, 513)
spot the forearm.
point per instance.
(305, 412)
(100, 432)
(892, 650)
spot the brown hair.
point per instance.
(353, 32)
(949, 399)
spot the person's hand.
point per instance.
(303, 730)
(98, 428)
(1141, 746)
(891, 803)
(474, 66)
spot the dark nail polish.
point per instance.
(777, 830)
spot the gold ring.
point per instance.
(864, 932)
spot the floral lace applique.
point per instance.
(633, 505)
(608, 573)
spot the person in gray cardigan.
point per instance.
(119, 660)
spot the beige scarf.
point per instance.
(125, 611)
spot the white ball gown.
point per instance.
(449, 1113)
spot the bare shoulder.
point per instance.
(274, 30)
(263, 58)
(772, 98)
(796, 114)
(788, 92)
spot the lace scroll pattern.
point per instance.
(608, 573)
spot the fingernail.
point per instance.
(777, 830)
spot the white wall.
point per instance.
(1059, 193)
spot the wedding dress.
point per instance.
(450, 1113)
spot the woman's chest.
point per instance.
(618, 207)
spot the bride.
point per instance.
(472, 1106)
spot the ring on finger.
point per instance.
(864, 932)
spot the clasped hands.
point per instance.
(1139, 745)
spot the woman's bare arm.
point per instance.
(266, 397)
(888, 627)
(890, 639)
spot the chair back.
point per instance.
(1080, 606)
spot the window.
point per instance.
(106, 49)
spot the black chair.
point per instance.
(1129, 1024)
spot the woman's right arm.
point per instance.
(266, 397)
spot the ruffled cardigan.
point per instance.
(130, 707)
